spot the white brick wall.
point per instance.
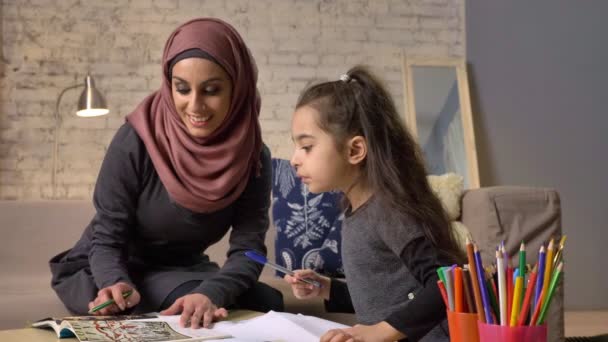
(48, 45)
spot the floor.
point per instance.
(586, 323)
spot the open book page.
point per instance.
(160, 329)
(201, 333)
(63, 328)
(278, 326)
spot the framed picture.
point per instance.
(438, 115)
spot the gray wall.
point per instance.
(538, 73)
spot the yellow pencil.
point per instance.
(548, 264)
(517, 295)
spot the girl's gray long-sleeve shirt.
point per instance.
(391, 276)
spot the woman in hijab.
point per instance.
(188, 165)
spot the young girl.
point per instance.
(348, 136)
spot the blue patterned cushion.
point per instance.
(308, 225)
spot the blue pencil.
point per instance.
(540, 276)
(484, 290)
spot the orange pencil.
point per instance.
(458, 294)
(444, 294)
(476, 294)
(529, 291)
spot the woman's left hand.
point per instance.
(195, 308)
(381, 332)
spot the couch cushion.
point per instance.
(307, 225)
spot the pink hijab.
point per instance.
(204, 174)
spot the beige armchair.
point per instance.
(515, 214)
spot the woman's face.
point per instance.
(202, 92)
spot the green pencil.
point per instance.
(547, 301)
(440, 274)
(109, 302)
(522, 260)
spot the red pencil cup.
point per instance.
(463, 327)
(499, 333)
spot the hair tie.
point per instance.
(345, 78)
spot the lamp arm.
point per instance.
(56, 140)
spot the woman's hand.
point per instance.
(115, 292)
(302, 290)
(381, 332)
(195, 308)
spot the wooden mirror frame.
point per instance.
(465, 106)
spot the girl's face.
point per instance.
(317, 160)
(202, 92)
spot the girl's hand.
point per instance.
(195, 308)
(302, 290)
(115, 292)
(381, 332)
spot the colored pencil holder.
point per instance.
(499, 333)
(463, 327)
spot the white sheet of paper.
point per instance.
(278, 326)
(270, 327)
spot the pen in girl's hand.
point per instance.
(109, 302)
(253, 255)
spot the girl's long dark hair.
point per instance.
(358, 104)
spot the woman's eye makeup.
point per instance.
(211, 90)
(208, 90)
(181, 88)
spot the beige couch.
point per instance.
(33, 231)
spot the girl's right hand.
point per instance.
(302, 290)
(115, 292)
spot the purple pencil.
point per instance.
(482, 287)
(542, 255)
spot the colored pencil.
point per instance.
(559, 254)
(519, 283)
(458, 293)
(523, 315)
(540, 276)
(522, 259)
(509, 291)
(476, 290)
(522, 267)
(440, 274)
(502, 288)
(449, 287)
(534, 318)
(468, 291)
(444, 295)
(493, 300)
(482, 288)
(548, 260)
(547, 299)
